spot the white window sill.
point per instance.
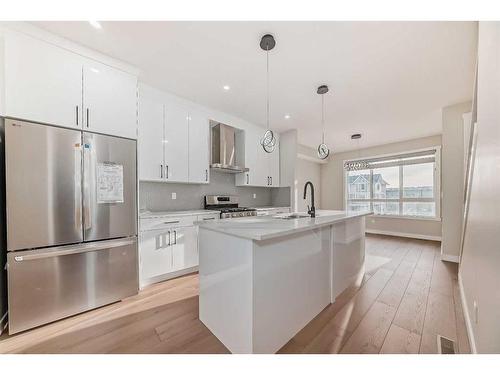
(408, 217)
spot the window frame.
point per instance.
(400, 200)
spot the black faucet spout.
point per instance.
(311, 210)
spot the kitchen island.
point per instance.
(262, 279)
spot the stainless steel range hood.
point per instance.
(226, 156)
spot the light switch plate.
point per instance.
(254, 195)
(174, 195)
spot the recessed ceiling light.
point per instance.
(287, 116)
(226, 87)
(96, 24)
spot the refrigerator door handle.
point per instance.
(87, 215)
(73, 249)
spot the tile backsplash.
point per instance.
(157, 196)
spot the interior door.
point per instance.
(151, 118)
(42, 82)
(109, 187)
(109, 100)
(176, 143)
(198, 148)
(43, 185)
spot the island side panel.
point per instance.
(291, 285)
(348, 258)
(225, 273)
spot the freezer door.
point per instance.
(109, 187)
(43, 185)
(51, 284)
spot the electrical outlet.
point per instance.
(174, 195)
(476, 312)
(254, 195)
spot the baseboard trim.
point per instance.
(3, 323)
(402, 234)
(468, 322)
(450, 258)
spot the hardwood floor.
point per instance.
(406, 297)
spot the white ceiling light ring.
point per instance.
(323, 149)
(268, 141)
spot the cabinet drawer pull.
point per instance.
(175, 237)
(206, 174)
(271, 180)
(88, 117)
(166, 173)
(161, 170)
(247, 179)
(171, 222)
(77, 115)
(209, 218)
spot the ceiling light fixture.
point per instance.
(356, 165)
(96, 24)
(323, 150)
(268, 141)
(287, 117)
(226, 87)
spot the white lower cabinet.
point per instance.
(155, 254)
(168, 246)
(185, 248)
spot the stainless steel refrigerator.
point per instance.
(71, 222)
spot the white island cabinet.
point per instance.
(262, 279)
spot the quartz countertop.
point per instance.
(153, 214)
(265, 208)
(260, 228)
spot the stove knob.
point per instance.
(242, 214)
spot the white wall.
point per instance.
(480, 266)
(452, 179)
(332, 189)
(308, 171)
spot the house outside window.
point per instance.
(402, 185)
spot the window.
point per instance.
(396, 185)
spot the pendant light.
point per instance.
(268, 141)
(356, 165)
(323, 150)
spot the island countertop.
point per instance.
(268, 227)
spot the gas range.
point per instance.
(228, 205)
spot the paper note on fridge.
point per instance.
(109, 183)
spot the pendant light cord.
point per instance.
(323, 117)
(267, 88)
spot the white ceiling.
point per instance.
(388, 80)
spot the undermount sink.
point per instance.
(295, 215)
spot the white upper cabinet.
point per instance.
(173, 140)
(176, 143)
(151, 129)
(43, 82)
(109, 100)
(273, 160)
(199, 136)
(263, 167)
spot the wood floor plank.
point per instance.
(370, 334)
(440, 315)
(400, 341)
(394, 290)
